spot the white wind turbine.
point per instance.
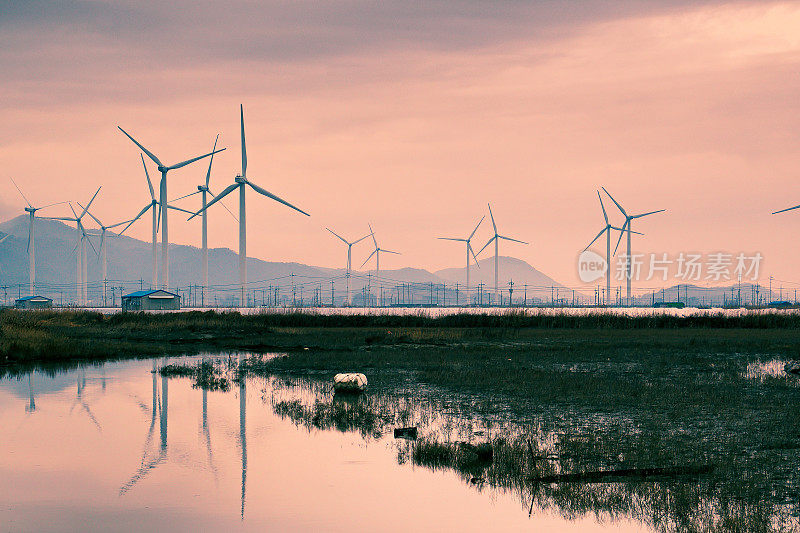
(496, 238)
(155, 205)
(469, 251)
(349, 258)
(205, 190)
(240, 182)
(103, 250)
(607, 230)
(80, 247)
(31, 248)
(377, 253)
(163, 201)
(626, 228)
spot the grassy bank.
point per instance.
(49, 336)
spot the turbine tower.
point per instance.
(205, 190)
(469, 251)
(349, 259)
(103, 249)
(607, 230)
(163, 201)
(627, 226)
(240, 182)
(377, 253)
(31, 248)
(496, 238)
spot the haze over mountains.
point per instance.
(129, 260)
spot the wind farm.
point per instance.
(307, 317)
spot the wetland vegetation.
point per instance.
(680, 423)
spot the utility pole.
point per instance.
(511, 293)
(332, 302)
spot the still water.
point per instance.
(116, 447)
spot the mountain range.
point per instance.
(129, 267)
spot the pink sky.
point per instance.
(414, 121)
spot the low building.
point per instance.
(34, 302)
(152, 300)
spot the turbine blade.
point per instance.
(510, 239)
(83, 230)
(487, 244)
(225, 206)
(452, 239)
(179, 209)
(620, 229)
(476, 228)
(649, 213)
(90, 202)
(491, 215)
(337, 235)
(91, 215)
(7, 235)
(362, 238)
(20, 192)
(784, 210)
(192, 160)
(210, 161)
(605, 215)
(49, 205)
(621, 233)
(368, 258)
(244, 147)
(118, 224)
(150, 154)
(185, 196)
(615, 202)
(277, 199)
(389, 251)
(158, 218)
(137, 217)
(149, 183)
(217, 198)
(475, 257)
(597, 237)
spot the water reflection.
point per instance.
(302, 456)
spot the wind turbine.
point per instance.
(103, 249)
(204, 190)
(31, 248)
(496, 238)
(607, 230)
(469, 251)
(155, 205)
(163, 201)
(240, 182)
(627, 225)
(81, 289)
(349, 257)
(377, 253)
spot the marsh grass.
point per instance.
(207, 375)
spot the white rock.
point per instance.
(349, 382)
